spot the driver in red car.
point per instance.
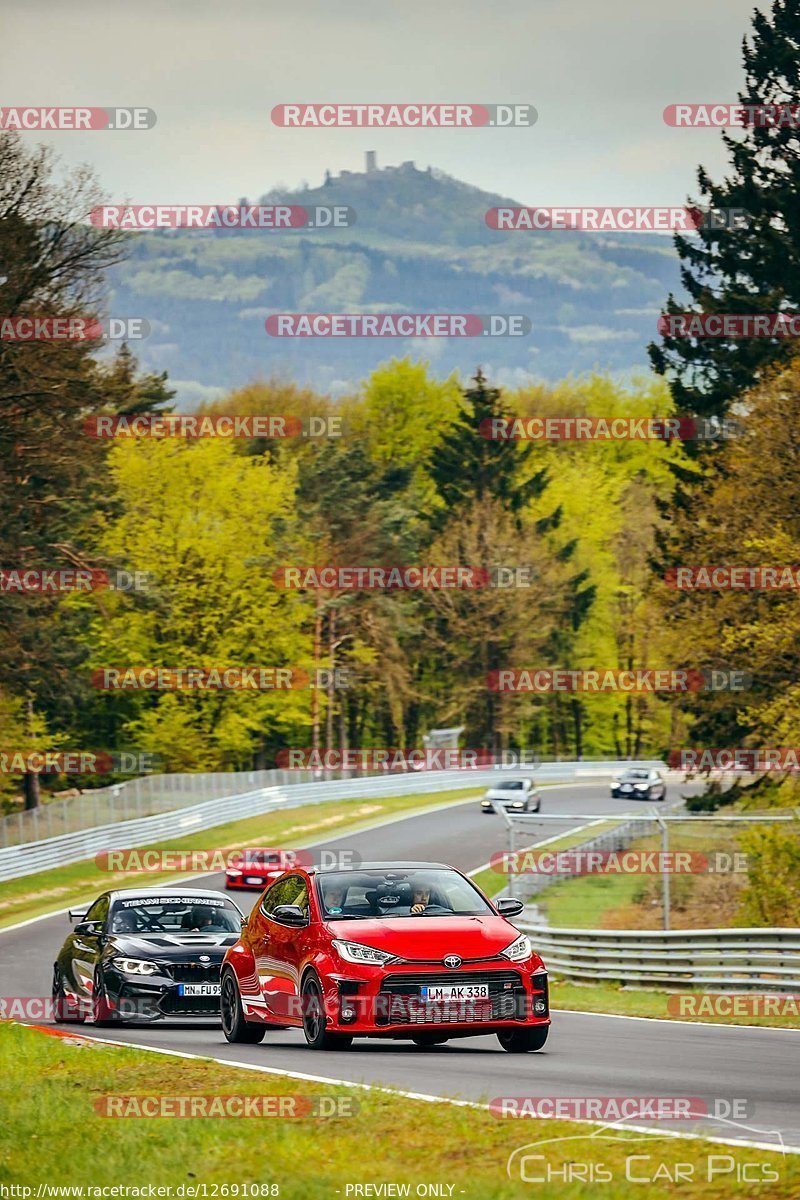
(420, 899)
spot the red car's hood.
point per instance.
(429, 937)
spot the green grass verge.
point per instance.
(492, 882)
(52, 1134)
(650, 1002)
(48, 891)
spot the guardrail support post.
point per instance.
(664, 865)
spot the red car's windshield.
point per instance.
(394, 892)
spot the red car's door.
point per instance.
(277, 950)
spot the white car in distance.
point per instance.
(517, 795)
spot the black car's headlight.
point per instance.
(135, 966)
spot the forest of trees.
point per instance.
(411, 480)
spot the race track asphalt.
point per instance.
(587, 1054)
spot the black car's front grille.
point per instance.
(189, 1006)
(400, 1002)
(195, 972)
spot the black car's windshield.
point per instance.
(637, 775)
(397, 892)
(143, 915)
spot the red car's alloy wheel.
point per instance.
(314, 1023)
(234, 1025)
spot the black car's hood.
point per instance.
(172, 947)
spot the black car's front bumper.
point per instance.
(163, 994)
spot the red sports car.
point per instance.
(391, 950)
(255, 869)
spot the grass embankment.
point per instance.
(52, 1134)
(697, 900)
(650, 1002)
(291, 828)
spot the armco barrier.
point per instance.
(767, 960)
(32, 856)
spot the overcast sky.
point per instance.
(600, 72)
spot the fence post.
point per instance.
(664, 866)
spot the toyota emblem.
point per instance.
(452, 961)
(204, 958)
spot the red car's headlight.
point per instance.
(519, 951)
(355, 952)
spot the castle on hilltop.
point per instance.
(371, 168)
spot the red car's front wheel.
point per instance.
(523, 1041)
(234, 1026)
(313, 1006)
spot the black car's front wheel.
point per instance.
(63, 1009)
(523, 1041)
(102, 1013)
(314, 1022)
(234, 1025)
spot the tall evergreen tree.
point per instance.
(754, 268)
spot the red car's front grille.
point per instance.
(400, 1001)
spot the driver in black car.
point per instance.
(125, 921)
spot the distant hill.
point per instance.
(420, 244)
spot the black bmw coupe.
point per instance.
(145, 955)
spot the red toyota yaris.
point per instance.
(391, 950)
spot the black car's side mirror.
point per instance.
(94, 928)
(290, 914)
(508, 906)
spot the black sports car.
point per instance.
(145, 955)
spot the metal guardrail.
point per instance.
(132, 799)
(29, 857)
(732, 959)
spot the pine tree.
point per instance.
(468, 466)
(753, 268)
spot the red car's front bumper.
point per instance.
(387, 1001)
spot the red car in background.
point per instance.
(255, 869)
(390, 950)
